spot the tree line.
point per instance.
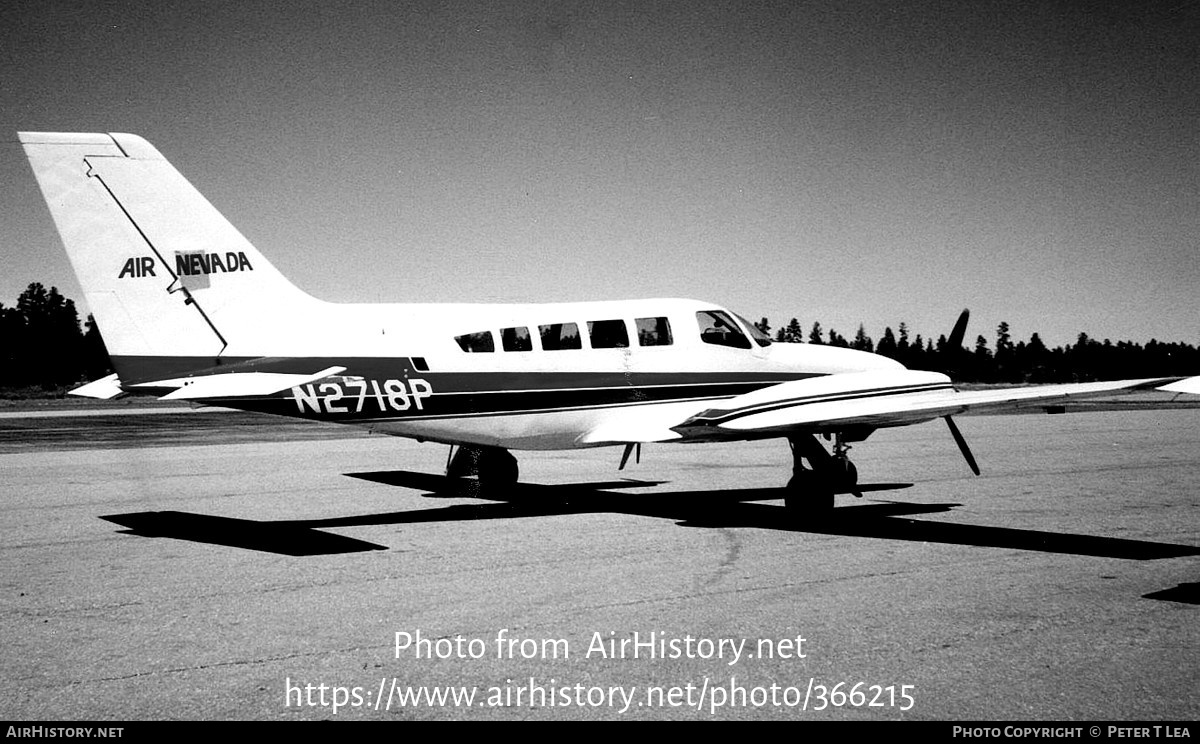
(45, 350)
(1009, 361)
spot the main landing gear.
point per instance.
(811, 489)
(495, 468)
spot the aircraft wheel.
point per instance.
(845, 473)
(497, 468)
(464, 463)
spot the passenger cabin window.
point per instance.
(516, 339)
(653, 331)
(608, 334)
(718, 328)
(476, 342)
(558, 336)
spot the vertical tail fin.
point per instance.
(165, 275)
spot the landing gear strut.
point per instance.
(811, 489)
(495, 467)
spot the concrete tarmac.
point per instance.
(225, 566)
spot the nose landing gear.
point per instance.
(811, 490)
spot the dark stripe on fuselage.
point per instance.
(360, 394)
(140, 370)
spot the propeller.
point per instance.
(962, 445)
(950, 356)
(960, 330)
(954, 345)
(629, 450)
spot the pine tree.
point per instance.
(794, 333)
(916, 358)
(1005, 367)
(46, 345)
(982, 368)
(887, 345)
(862, 342)
(814, 336)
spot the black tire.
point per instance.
(845, 474)
(498, 469)
(465, 462)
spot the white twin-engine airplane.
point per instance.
(190, 310)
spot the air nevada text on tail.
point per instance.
(188, 264)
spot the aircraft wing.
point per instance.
(859, 400)
(880, 399)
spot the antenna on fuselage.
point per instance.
(629, 449)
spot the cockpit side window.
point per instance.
(716, 327)
(480, 341)
(516, 339)
(608, 334)
(558, 336)
(653, 331)
(759, 337)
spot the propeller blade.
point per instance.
(960, 330)
(962, 445)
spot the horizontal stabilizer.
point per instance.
(243, 384)
(106, 388)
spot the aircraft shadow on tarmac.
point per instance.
(887, 520)
(1187, 593)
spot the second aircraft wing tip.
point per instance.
(1189, 385)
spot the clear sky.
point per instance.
(848, 162)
